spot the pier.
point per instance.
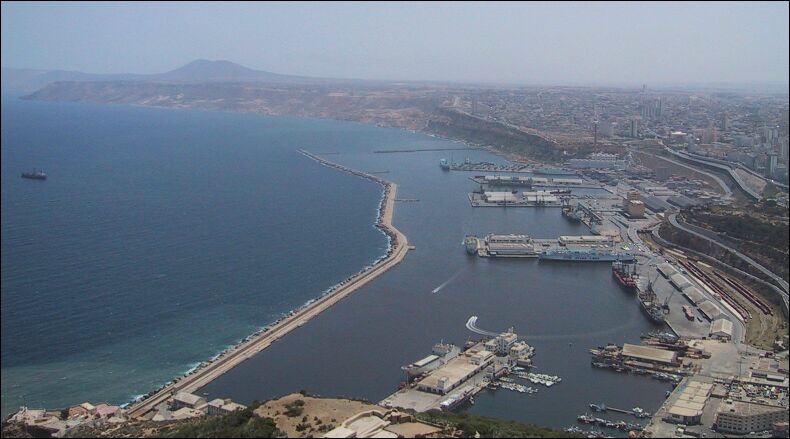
(261, 340)
(393, 151)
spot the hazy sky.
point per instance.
(556, 42)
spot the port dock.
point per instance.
(450, 377)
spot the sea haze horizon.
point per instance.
(206, 226)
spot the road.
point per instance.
(781, 282)
(727, 190)
(724, 167)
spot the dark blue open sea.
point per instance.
(162, 236)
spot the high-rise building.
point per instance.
(771, 164)
(651, 108)
(709, 135)
(605, 128)
(634, 127)
(725, 122)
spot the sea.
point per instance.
(163, 236)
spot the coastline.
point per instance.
(209, 370)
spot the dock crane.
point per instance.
(650, 283)
(665, 306)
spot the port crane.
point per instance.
(665, 306)
(650, 282)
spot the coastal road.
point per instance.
(241, 352)
(725, 188)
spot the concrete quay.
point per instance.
(261, 340)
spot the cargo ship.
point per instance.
(570, 214)
(509, 246)
(35, 174)
(625, 277)
(554, 171)
(649, 304)
(586, 255)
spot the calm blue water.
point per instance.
(162, 236)
(159, 238)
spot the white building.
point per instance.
(721, 329)
(184, 399)
(744, 417)
(223, 406)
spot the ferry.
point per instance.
(584, 255)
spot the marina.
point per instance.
(450, 377)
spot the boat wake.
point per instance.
(444, 284)
(471, 325)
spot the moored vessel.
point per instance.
(624, 276)
(584, 255)
(35, 174)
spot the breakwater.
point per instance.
(210, 370)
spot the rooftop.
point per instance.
(650, 354)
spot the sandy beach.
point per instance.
(210, 370)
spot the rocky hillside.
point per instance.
(760, 231)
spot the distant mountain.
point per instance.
(199, 71)
(222, 71)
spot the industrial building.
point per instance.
(184, 399)
(540, 197)
(500, 197)
(223, 406)
(653, 355)
(694, 295)
(679, 281)
(525, 198)
(687, 408)
(456, 371)
(740, 417)
(709, 310)
(666, 269)
(721, 329)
